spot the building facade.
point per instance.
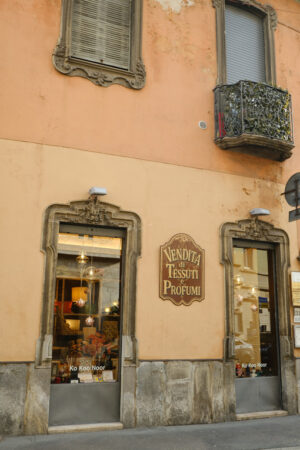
(164, 302)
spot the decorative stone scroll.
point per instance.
(181, 270)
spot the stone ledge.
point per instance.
(261, 415)
(85, 428)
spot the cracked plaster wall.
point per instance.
(175, 5)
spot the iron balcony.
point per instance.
(254, 118)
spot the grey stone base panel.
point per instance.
(184, 392)
(24, 394)
(156, 393)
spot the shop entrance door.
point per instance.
(85, 375)
(257, 362)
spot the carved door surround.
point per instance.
(261, 231)
(93, 212)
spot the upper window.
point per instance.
(101, 40)
(245, 41)
(245, 50)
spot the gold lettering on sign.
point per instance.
(181, 270)
(182, 254)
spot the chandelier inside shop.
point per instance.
(90, 274)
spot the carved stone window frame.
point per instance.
(260, 231)
(100, 74)
(270, 22)
(94, 212)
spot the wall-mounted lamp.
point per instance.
(259, 212)
(97, 191)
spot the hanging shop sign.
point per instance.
(181, 270)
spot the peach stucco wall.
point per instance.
(168, 198)
(60, 135)
(158, 123)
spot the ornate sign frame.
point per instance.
(181, 270)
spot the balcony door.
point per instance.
(257, 362)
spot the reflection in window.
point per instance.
(254, 312)
(86, 326)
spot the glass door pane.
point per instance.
(86, 325)
(254, 313)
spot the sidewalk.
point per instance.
(275, 433)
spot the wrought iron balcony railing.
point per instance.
(254, 118)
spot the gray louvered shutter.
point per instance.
(100, 31)
(245, 50)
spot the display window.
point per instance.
(254, 313)
(87, 306)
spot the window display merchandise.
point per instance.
(254, 312)
(86, 325)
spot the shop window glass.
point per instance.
(254, 313)
(86, 326)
